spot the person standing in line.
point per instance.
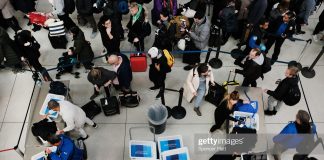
(59, 10)
(85, 14)
(110, 35)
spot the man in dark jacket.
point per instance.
(252, 68)
(278, 31)
(275, 97)
(256, 11)
(165, 35)
(123, 69)
(84, 8)
(158, 69)
(255, 39)
(138, 26)
(99, 76)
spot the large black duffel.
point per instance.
(91, 109)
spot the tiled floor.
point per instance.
(110, 140)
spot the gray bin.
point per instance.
(157, 116)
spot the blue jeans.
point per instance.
(200, 94)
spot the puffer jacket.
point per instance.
(200, 34)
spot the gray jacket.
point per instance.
(200, 34)
(306, 10)
(58, 6)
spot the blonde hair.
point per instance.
(232, 96)
(293, 70)
(95, 73)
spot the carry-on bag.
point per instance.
(129, 100)
(58, 42)
(91, 109)
(37, 18)
(138, 62)
(110, 105)
(232, 82)
(215, 94)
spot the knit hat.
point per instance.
(153, 52)
(199, 15)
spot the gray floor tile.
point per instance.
(7, 80)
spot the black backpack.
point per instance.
(57, 87)
(293, 96)
(44, 129)
(69, 6)
(266, 66)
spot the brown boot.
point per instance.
(197, 111)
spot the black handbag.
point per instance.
(215, 94)
(129, 100)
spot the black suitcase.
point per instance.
(91, 109)
(129, 100)
(58, 42)
(215, 94)
(110, 105)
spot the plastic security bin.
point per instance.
(157, 116)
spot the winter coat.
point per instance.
(6, 8)
(24, 6)
(192, 83)
(252, 68)
(112, 45)
(228, 19)
(30, 52)
(289, 136)
(283, 88)
(83, 48)
(84, 7)
(159, 76)
(306, 10)
(139, 29)
(256, 11)
(106, 75)
(200, 34)
(7, 49)
(124, 72)
(165, 36)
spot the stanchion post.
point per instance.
(179, 112)
(19, 151)
(163, 102)
(180, 97)
(208, 55)
(309, 72)
(216, 62)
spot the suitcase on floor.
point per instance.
(91, 109)
(232, 82)
(58, 42)
(110, 106)
(215, 94)
(138, 62)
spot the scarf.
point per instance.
(138, 14)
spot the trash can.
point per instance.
(157, 116)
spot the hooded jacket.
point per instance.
(283, 88)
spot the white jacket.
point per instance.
(192, 83)
(73, 116)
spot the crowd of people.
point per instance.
(256, 24)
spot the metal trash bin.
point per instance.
(157, 117)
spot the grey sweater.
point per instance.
(200, 34)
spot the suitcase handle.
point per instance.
(150, 127)
(229, 75)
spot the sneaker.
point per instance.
(93, 96)
(188, 67)
(315, 38)
(93, 35)
(83, 139)
(95, 125)
(212, 129)
(197, 111)
(154, 88)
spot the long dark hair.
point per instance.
(305, 126)
(202, 68)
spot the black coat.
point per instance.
(166, 36)
(222, 112)
(139, 29)
(251, 70)
(7, 49)
(256, 11)
(124, 72)
(106, 75)
(82, 48)
(274, 26)
(30, 52)
(112, 45)
(24, 6)
(283, 88)
(159, 76)
(84, 7)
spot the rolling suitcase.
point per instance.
(110, 106)
(232, 82)
(138, 62)
(58, 42)
(91, 109)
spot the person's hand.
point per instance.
(182, 29)
(48, 151)
(27, 44)
(157, 66)
(283, 35)
(22, 59)
(95, 5)
(136, 40)
(194, 93)
(108, 30)
(265, 90)
(59, 132)
(44, 116)
(158, 21)
(108, 83)
(97, 88)
(213, 83)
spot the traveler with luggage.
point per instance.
(82, 48)
(279, 30)
(298, 134)
(73, 116)
(197, 84)
(66, 63)
(281, 93)
(158, 69)
(66, 149)
(199, 34)
(123, 70)
(101, 77)
(252, 68)
(62, 10)
(85, 14)
(110, 35)
(225, 108)
(166, 32)
(138, 26)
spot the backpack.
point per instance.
(293, 96)
(69, 6)
(266, 66)
(57, 87)
(169, 57)
(44, 129)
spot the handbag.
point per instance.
(129, 100)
